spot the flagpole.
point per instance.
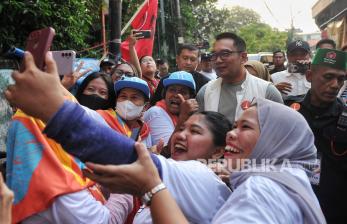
(133, 17)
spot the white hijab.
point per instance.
(284, 135)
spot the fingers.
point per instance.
(141, 150)
(85, 72)
(103, 169)
(160, 145)
(181, 98)
(29, 61)
(80, 65)
(51, 64)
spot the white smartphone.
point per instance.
(65, 60)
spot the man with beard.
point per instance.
(327, 116)
(235, 84)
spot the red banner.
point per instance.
(145, 20)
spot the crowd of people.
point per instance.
(220, 140)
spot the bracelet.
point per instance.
(147, 197)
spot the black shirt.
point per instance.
(331, 143)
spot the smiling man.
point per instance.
(235, 84)
(327, 116)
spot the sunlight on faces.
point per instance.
(132, 95)
(172, 100)
(242, 139)
(193, 141)
(188, 60)
(98, 87)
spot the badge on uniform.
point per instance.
(295, 106)
(245, 104)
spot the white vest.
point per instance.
(250, 88)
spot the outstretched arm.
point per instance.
(137, 179)
(40, 94)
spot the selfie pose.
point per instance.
(263, 137)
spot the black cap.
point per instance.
(298, 44)
(205, 56)
(106, 61)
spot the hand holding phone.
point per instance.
(38, 43)
(142, 34)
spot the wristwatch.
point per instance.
(147, 197)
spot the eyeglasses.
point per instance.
(224, 54)
(121, 73)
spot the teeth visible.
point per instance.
(229, 148)
(180, 147)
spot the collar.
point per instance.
(334, 109)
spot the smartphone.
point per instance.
(65, 60)
(38, 43)
(142, 34)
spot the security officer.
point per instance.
(327, 116)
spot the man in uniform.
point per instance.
(327, 116)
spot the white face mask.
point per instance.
(128, 110)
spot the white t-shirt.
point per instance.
(160, 124)
(198, 191)
(262, 200)
(81, 207)
(300, 85)
(210, 75)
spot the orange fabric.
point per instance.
(110, 116)
(53, 171)
(38, 168)
(173, 117)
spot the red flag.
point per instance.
(145, 20)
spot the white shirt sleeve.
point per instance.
(78, 207)
(259, 200)
(160, 124)
(196, 189)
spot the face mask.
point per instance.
(94, 102)
(128, 110)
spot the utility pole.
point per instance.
(179, 20)
(163, 28)
(115, 13)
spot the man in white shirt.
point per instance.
(206, 66)
(234, 84)
(292, 82)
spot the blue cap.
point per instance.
(134, 83)
(180, 78)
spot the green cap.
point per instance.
(331, 58)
